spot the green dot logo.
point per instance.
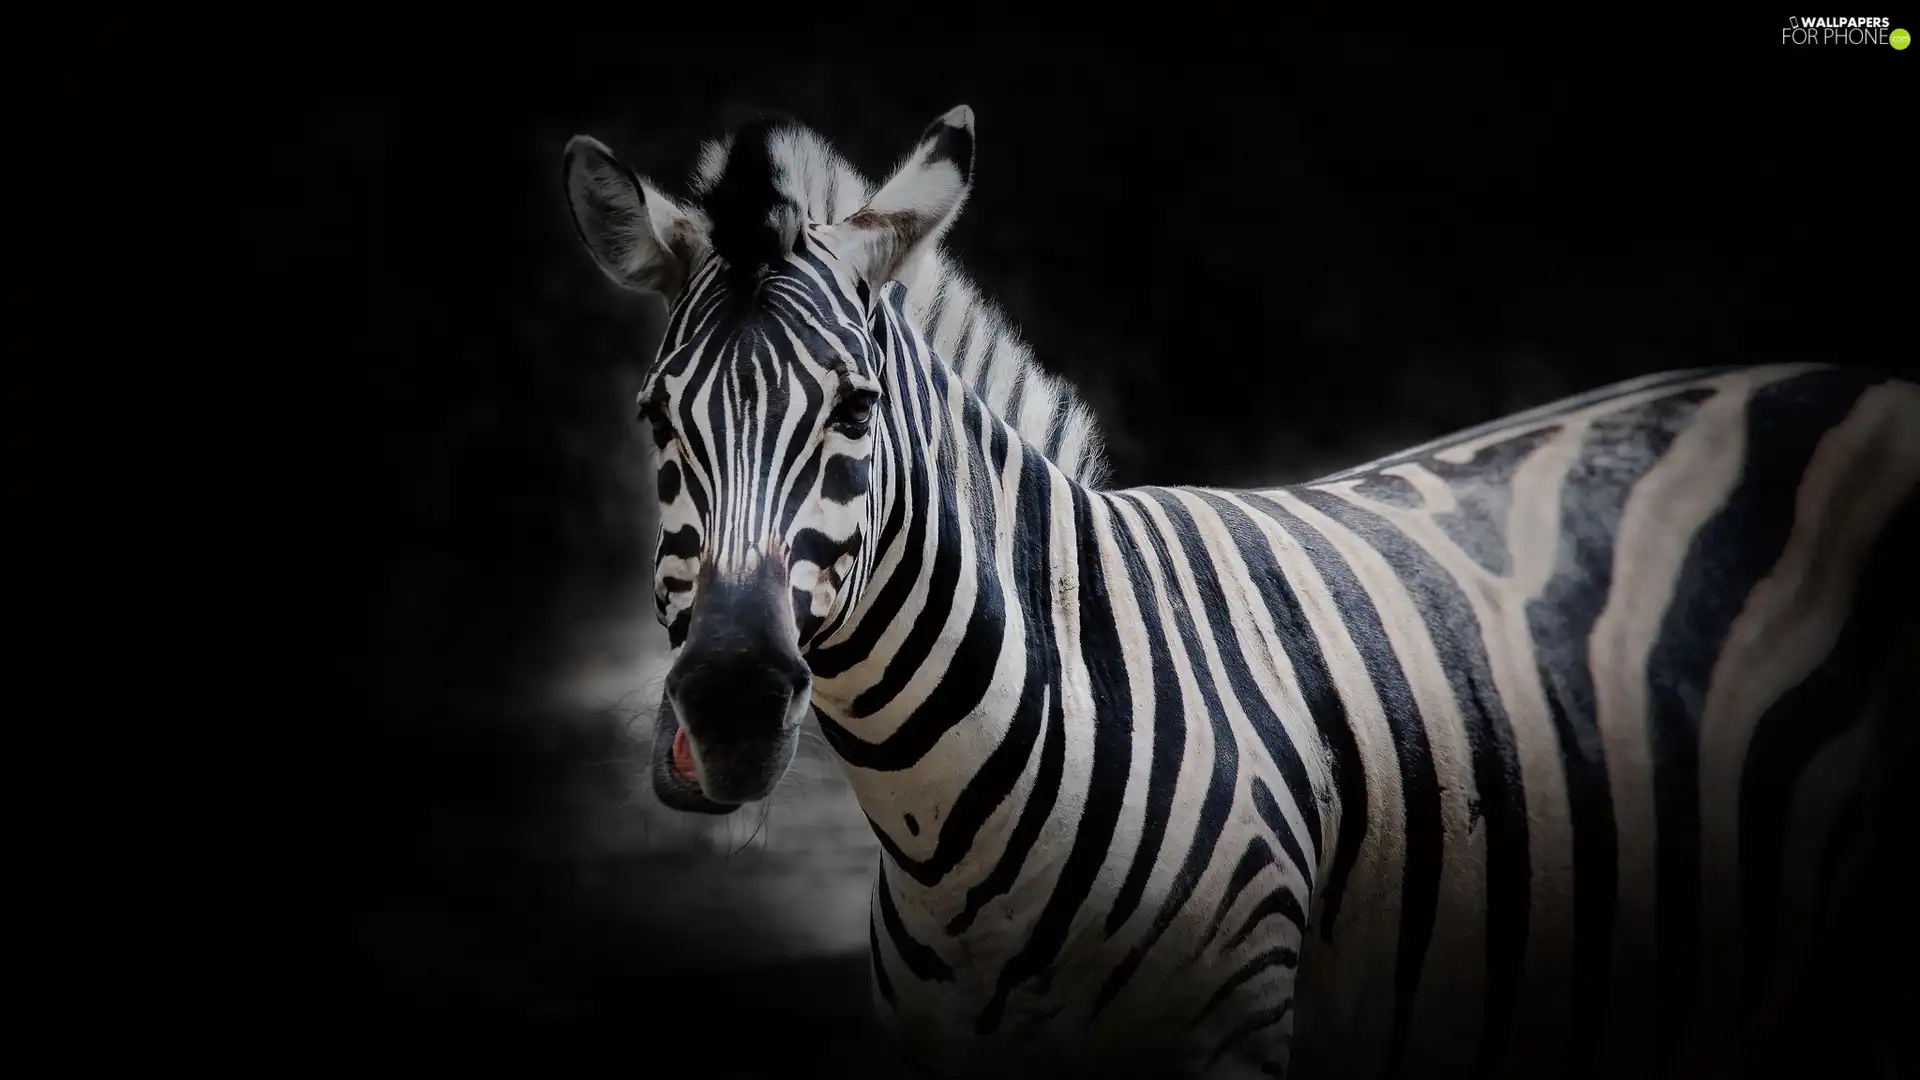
(1899, 39)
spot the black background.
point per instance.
(326, 446)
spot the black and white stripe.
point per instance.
(1541, 750)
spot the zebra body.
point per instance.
(1538, 750)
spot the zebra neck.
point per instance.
(935, 692)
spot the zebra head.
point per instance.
(766, 406)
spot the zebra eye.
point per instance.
(656, 417)
(854, 413)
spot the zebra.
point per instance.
(1557, 746)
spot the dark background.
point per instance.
(327, 454)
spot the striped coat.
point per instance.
(1550, 748)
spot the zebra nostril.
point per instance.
(743, 700)
(800, 678)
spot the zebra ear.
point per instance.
(636, 235)
(907, 216)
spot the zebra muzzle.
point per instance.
(736, 694)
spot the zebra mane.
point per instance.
(750, 183)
